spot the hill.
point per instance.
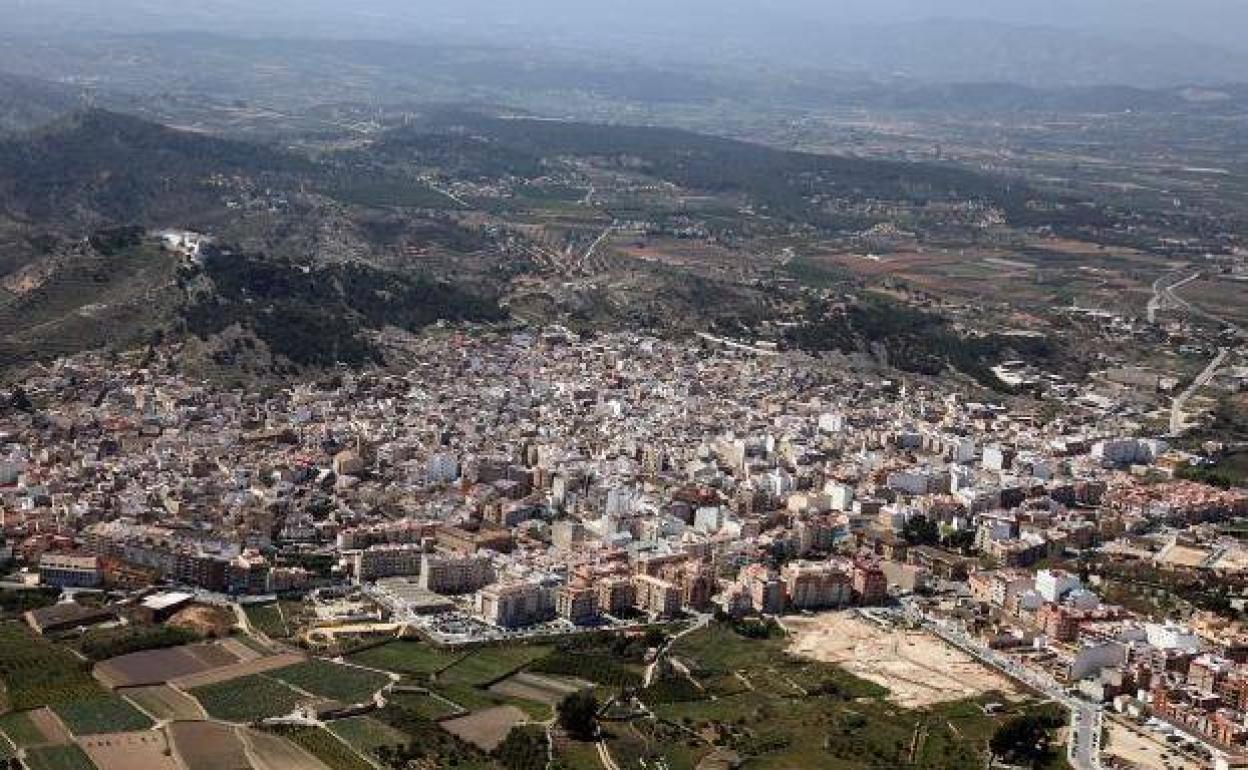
(785, 184)
(97, 167)
(26, 103)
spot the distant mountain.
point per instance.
(1000, 98)
(974, 51)
(1123, 42)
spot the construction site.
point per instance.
(918, 669)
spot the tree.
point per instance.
(578, 714)
(1022, 740)
(919, 531)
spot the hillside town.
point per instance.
(544, 484)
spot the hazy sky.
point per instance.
(1142, 42)
(1223, 21)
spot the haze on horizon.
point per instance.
(1060, 41)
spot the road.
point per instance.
(701, 621)
(1164, 296)
(1084, 749)
(734, 345)
(585, 265)
(1177, 422)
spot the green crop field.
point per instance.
(58, 758)
(331, 680)
(489, 664)
(427, 706)
(38, 673)
(325, 747)
(108, 714)
(367, 735)
(267, 619)
(407, 657)
(247, 698)
(21, 731)
(592, 667)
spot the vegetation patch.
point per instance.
(247, 699)
(487, 665)
(369, 736)
(58, 758)
(407, 656)
(267, 619)
(38, 673)
(104, 643)
(109, 714)
(324, 746)
(331, 680)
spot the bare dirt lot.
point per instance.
(543, 689)
(147, 750)
(271, 752)
(1139, 748)
(208, 746)
(236, 670)
(158, 666)
(205, 621)
(163, 702)
(50, 725)
(486, 729)
(917, 668)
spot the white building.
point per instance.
(1054, 584)
(1171, 636)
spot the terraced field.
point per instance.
(58, 758)
(108, 714)
(39, 673)
(407, 657)
(346, 684)
(247, 699)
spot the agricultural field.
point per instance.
(537, 688)
(208, 746)
(151, 667)
(247, 699)
(324, 746)
(24, 730)
(577, 754)
(366, 735)
(38, 673)
(58, 758)
(486, 729)
(164, 702)
(487, 665)
(147, 750)
(405, 656)
(346, 684)
(429, 706)
(267, 619)
(273, 752)
(108, 714)
(597, 667)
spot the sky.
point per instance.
(1169, 42)
(1220, 21)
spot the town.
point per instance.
(537, 485)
